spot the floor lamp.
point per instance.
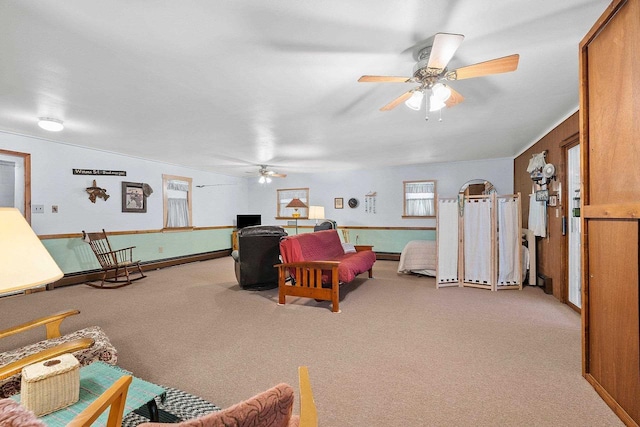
(296, 204)
(316, 212)
(24, 261)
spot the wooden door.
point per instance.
(610, 141)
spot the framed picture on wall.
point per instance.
(133, 199)
(338, 203)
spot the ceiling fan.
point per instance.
(431, 71)
(266, 174)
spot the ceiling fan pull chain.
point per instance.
(440, 111)
(427, 104)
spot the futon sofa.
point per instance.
(314, 264)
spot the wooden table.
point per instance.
(360, 248)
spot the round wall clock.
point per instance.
(353, 203)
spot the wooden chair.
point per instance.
(87, 345)
(114, 397)
(118, 264)
(271, 408)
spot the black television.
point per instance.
(247, 220)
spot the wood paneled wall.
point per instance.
(551, 249)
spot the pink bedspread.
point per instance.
(326, 246)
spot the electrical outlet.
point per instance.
(160, 249)
(37, 208)
(54, 208)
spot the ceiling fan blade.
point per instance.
(495, 66)
(393, 104)
(278, 175)
(454, 99)
(383, 79)
(444, 47)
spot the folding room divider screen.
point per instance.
(479, 242)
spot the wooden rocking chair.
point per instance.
(120, 261)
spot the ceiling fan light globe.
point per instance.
(262, 180)
(268, 180)
(441, 92)
(435, 104)
(415, 101)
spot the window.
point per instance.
(177, 201)
(419, 199)
(284, 198)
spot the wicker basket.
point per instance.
(50, 385)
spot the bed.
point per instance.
(418, 257)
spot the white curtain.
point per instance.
(477, 241)
(447, 241)
(420, 198)
(177, 204)
(509, 264)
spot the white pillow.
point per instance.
(348, 248)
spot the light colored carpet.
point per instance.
(401, 352)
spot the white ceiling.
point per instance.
(226, 85)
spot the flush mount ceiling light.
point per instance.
(52, 125)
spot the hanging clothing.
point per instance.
(537, 216)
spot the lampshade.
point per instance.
(415, 101)
(24, 261)
(316, 212)
(52, 125)
(296, 203)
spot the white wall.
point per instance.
(387, 182)
(53, 183)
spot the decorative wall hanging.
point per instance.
(370, 202)
(147, 190)
(353, 202)
(133, 198)
(98, 172)
(338, 203)
(95, 192)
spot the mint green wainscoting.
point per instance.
(387, 240)
(74, 255)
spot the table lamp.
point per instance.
(316, 212)
(296, 203)
(24, 261)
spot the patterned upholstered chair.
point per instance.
(271, 408)
(87, 345)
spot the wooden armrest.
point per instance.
(115, 396)
(308, 412)
(52, 323)
(322, 265)
(68, 347)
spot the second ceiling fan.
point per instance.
(431, 70)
